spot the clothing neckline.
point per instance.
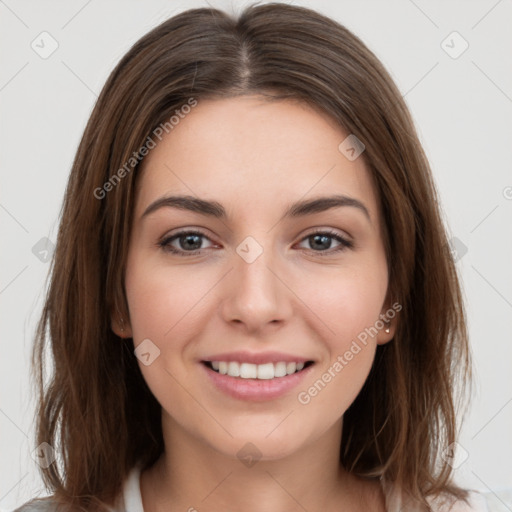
(132, 495)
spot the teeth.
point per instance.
(256, 371)
(233, 369)
(247, 371)
(279, 369)
(291, 368)
(266, 371)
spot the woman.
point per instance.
(253, 305)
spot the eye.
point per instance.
(188, 242)
(321, 241)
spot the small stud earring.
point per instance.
(387, 330)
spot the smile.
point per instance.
(264, 371)
(256, 382)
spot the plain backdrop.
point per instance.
(460, 98)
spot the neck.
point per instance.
(191, 475)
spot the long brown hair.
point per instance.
(95, 408)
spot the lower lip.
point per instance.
(257, 390)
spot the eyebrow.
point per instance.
(216, 210)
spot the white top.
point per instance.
(132, 500)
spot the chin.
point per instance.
(257, 444)
(253, 449)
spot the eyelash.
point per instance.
(164, 244)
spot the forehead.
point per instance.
(250, 151)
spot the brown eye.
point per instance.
(184, 243)
(322, 241)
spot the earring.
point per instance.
(387, 330)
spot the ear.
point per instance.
(121, 326)
(383, 336)
(389, 319)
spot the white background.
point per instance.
(462, 108)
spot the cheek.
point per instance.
(347, 307)
(338, 380)
(166, 307)
(165, 301)
(346, 302)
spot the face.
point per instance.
(257, 282)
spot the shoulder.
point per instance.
(493, 501)
(39, 505)
(129, 495)
(50, 504)
(476, 502)
(498, 500)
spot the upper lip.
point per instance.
(257, 357)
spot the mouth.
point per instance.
(265, 371)
(256, 376)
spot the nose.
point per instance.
(255, 296)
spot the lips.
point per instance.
(256, 376)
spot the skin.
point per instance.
(255, 158)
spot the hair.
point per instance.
(95, 408)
